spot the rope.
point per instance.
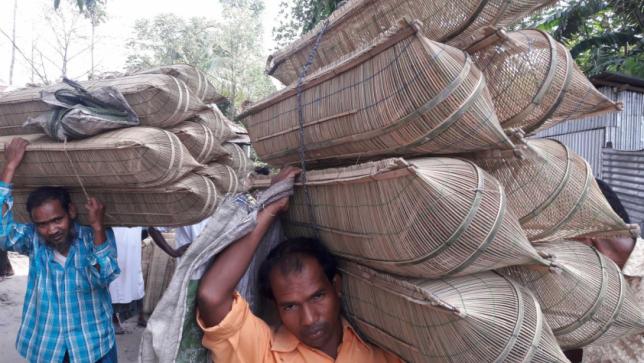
(80, 181)
(300, 113)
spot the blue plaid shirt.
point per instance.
(66, 308)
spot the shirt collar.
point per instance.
(285, 342)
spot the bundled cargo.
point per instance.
(196, 80)
(215, 120)
(200, 141)
(478, 318)
(400, 95)
(534, 82)
(356, 23)
(588, 302)
(237, 160)
(428, 217)
(141, 156)
(184, 202)
(552, 191)
(224, 177)
(158, 100)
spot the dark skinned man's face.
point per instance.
(309, 305)
(54, 224)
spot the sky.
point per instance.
(112, 35)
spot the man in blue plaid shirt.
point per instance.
(67, 313)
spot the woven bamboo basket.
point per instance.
(200, 141)
(359, 21)
(224, 177)
(159, 100)
(184, 202)
(588, 302)
(401, 95)
(534, 82)
(237, 160)
(483, 317)
(552, 191)
(216, 122)
(428, 217)
(196, 80)
(141, 156)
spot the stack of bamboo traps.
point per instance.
(587, 301)
(448, 224)
(169, 171)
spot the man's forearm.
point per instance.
(218, 283)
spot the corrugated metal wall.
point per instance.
(628, 133)
(624, 130)
(588, 144)
(624, 172)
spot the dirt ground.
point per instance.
(12, 293)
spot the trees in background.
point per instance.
(300, 17)
(228, 50)
(602, 35)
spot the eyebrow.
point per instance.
(50, 220)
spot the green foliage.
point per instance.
(229, 50)
(301, 17)
(601, 35)
(82, 4)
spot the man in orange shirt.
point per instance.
(300, 277)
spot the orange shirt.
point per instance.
(244, 338)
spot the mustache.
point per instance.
(312, 329)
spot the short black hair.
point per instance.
(44, 194)
(613, 200)
(287, 256)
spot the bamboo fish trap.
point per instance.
(359, 21)
(224, 177)
(216, 122)
(196, 80)
(428, 217)
(159, 100)
(401, 95)
(534, 82)
(184, 202)
(200, 141)
(237, 160)
(477, 318)
(588, 302)
(141, 156)
(552, 191)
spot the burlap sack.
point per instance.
(157, 99)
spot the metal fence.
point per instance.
(624, 172)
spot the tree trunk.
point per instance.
(13, 40)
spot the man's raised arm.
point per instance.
(215, 295)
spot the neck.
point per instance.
(63, 249)
(331, 348)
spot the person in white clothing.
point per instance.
(128, 289)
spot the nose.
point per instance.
(52, 229)
(309, 316)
